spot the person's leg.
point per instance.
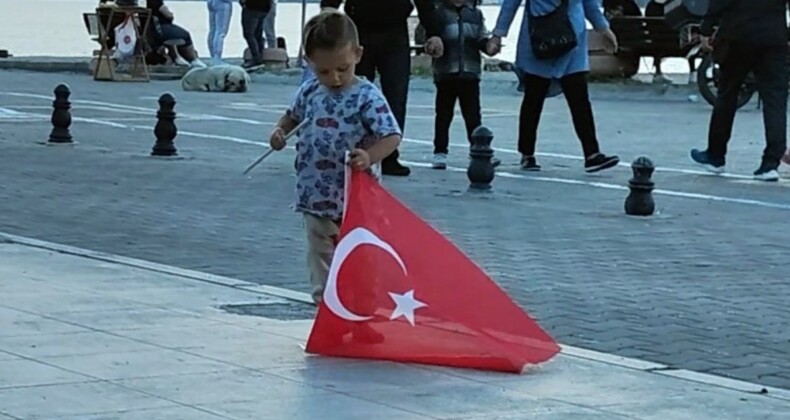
(261, 18)
(249, 23)
(771, 72)
(733, 69)
(446, 94)
(469, 98)
(187, 51)
(576, 91)
(321, 235)
(535, 90)
(212, 26)
(367, 65)
(224, 14)
(393, 62)
(269, 26)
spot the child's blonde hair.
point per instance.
(329, 30)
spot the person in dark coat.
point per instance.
(751, 37)
(384, 36)
(253, 19)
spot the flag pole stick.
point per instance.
(270, 151)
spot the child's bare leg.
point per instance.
(320, 249)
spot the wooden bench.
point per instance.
(647, 36)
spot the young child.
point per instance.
(457, 72)
(345, 113)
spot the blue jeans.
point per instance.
(268, 26)
(220, 12)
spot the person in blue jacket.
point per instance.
(549, 77)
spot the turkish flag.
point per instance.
(398, 290)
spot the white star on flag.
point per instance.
(405, 305)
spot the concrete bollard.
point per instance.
(640, 199)
(165, 130)
(61, 116)
(481, 168)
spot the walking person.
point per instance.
(751, 37)
(268, 25)
(549, 73)
(253, 15)
(219, 14)
(456, 73)
(384, 36)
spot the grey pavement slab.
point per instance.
(242, 367)
(699, 286)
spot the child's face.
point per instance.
(335, 68)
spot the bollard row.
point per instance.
(165, 130)
(480, 171)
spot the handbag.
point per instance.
(552, 35)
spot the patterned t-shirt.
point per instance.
(340, 121)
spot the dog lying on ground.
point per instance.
(222, 78)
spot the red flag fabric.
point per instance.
(398, 290)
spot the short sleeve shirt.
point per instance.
(339, 122)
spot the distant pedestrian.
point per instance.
(456, 73)
(565, 73)
(751, 37)
(219, 15)
(253, 15)
(384, 35)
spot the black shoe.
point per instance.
(394, 168)
(529, 163)
(702, 158)
(599, 162)
(767, 172)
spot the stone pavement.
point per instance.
(700, 286)
(87, 339)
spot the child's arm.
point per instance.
(377, 117)
(290, 119)
(286, 123)
(383, 148)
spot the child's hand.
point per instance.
(494, 46)
(434, 47)
(360, 160)
(277, 139)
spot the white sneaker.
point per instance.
(439, 161)
(197, 63)
(181, 62)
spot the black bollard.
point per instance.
(61, 116)
(481, 169)
(640, 199)
(165, 129)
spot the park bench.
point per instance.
(668, 29)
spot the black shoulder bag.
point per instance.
(551, 35)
